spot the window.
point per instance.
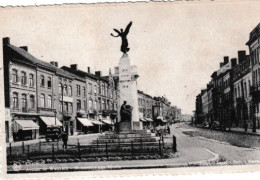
(103, 105)
(23, 78)
(31, 81)
(78, 90)
(24, 102)
(90, 88)
(95, 89)
(111, 106)
(84, 91)
(42, 80)
(65, 90)
(90, 102)
(49, 82)
(15, 100)
(111, 93)
(32, 102)
(42, 100)
(65, 107)
(78, 105)
(245, 87)
(84, 105)
(49, 101)
(70, 91)
(60, 88)
(70, 108)
(95, 105)
(103, 89)
(60, 106)
(14, 76)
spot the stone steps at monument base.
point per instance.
(141, 131)
(122, 136)
(127, 140)
(136, 145)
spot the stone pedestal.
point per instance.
(128, 91)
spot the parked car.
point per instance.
(206, 124)
(53, 133)
(215, 125)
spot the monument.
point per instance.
(127, 86)
(130, 130)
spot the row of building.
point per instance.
(232, 97)
(40, 94)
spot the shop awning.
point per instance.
(24, 125)
(85, 122)
(96, 122)
(142, 119)
(161, 118)
(50, 121)
(148, 119)
(107, 121)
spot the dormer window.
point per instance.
(42, 81)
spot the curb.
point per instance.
(221, 142)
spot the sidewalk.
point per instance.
(35, 141)
(249, 131)
(199, 157)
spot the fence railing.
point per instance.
(55, 150)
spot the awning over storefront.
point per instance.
(161, 118)
(50, 121)
(142, 119)
(107, 121)
(85, 122)
(96, 122)
(148, 119)
(24, 125)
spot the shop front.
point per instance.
(25, 130)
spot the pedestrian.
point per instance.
(169, 130)
(64, 139)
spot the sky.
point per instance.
(176, 46)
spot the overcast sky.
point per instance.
(176, 46)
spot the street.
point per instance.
(228, 153)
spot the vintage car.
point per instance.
(53, 133)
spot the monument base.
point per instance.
(124, 126)
(137, 125)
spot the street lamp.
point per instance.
(55, 112)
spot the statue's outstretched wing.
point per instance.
(127, 28)
(117, 31)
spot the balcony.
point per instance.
(255, 89)
(24, 109)
(67, 113)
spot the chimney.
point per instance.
(6, 41)
(74, 67)
(226, 60)
(221, 64)
(241, 56)
(233, 62)
(54, 63)
(88, 69)
(98, 73)
(24, 48)
(116, 70)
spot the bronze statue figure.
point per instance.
(126, 112)
(123, 34)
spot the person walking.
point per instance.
(64, 139)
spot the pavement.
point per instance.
(185, 157)
(192, 151)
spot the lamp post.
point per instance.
(55, 113)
